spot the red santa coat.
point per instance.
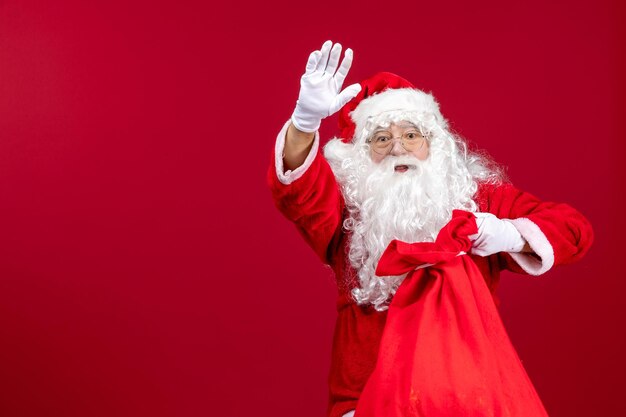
(311, 198)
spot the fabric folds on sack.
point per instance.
(444, 350)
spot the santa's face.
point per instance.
(398, 139)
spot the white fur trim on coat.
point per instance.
(287, 177)
(539, 244)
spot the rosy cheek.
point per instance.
(422, 154)
(376, 157)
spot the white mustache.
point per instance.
(388, 165)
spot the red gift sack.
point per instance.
(444, 350)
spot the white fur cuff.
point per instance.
(539, 244)
(287, 177)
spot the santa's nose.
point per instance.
(397, 148)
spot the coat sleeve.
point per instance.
(309, 197)
(556, 232)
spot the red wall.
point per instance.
(143, 267)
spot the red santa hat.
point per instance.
(385, 92)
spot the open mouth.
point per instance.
(403, 168)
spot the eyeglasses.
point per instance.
(382, 142)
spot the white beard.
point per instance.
(384, 205)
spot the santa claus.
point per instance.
(396, 171)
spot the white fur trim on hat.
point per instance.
(404, 100)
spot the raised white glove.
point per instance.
(320, 87)
(495, 235)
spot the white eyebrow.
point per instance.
(405, 125)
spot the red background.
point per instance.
(143, 267)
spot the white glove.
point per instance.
(495, 235)
(320, 87)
